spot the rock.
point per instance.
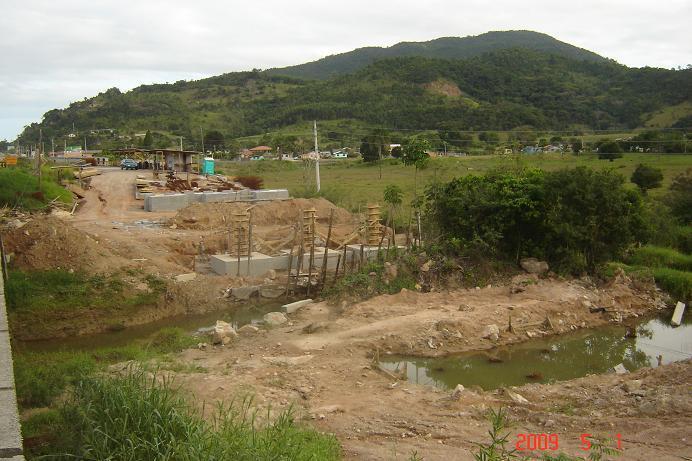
(271, 291)
(632, 386)
(248, 330)
(329, 409)
(521, 281)
(223, 333)
(516, 398)
(274, 319)
(620, 369)
(173, 226)
(244, 293)
(465, 308)
(271, 274)
(426, 267)
(491, 331)
(202, 346)
(314, 327)
(457, 392)
(648, 408)
(534, 266)
(185, 277)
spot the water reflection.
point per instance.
(554, 359)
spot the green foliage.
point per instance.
(375, 146)
(647, 177)
(574, 218)
(19, 188)
(214, 140)
(63, 290)
(148, 141)
(679, 197)
(138, 416)
(677, 283)
(360, 284)
(652, 256)
(393, 195)
(609, 150)
(497, 449)
(171, 340)
(415, 152)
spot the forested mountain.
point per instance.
(442, 48)
(500, 90)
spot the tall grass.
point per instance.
(20, 189)
(140, 416)
(653, 256)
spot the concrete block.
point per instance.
(10, 438)
(260, 264)
(353, 253)
(213, 197)
(292, 307)
(270, 194)
(167, 202)
(677, 315)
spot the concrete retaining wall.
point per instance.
(10, 433)
(174, 202)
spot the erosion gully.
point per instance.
(649, 342)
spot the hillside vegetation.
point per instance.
(500, 90)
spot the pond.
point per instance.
(556, 358)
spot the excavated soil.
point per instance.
(205, 216)
(330, 379)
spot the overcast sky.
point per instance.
(53, 52)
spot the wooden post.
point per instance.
(312, 253)
(336, 272)
(249, 238)
(326, 247)
(345, 260)
(3, 260)
(362, 252)
(288, 272)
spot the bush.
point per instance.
(677, 283)
(575, 218)
(171, 340)
(646, 177)
(679, 197)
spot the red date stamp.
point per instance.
(545, 442)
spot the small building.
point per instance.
(261, 150)
(340, 154)
(286, 156)
(176, 160)
(257, 157)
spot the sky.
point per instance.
(53, 52)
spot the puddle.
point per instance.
(237, 316)
(553, 359)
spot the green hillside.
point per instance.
(442, 48)
(501, 90)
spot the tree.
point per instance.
(609, 150)
(396, 152)
(647, 177)
(680, 197)
(148, 141)
(576, 145)
(415, 152)
(214, 140)
(489, 137)
(375, 146)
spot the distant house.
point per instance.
(310, 156)
(257, 157)
(286, 156)
(531, 150)
(261, 150)
(340, 154)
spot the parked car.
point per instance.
(128, 164)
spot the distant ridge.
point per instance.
(442, 48)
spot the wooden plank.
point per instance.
(676, 321)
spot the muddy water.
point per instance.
(554, 359)
(237, 316)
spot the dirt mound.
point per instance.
(285, 212)
(47, 242)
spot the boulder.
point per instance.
(186, 277)
(271, 274)
(244, 293)
(248, 330)
(534, 266)
(223, 333)
(274, 319)
(426, 267)
(491, 331)
(632, 386)
(458, 392)
(620, 369)
(516, 398)
(271, 291)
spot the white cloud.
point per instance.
(57, 52)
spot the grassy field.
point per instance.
(352, 183)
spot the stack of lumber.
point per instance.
(86, 173)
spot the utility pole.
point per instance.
(181, 143)
(85, 146)
(317, 158)
(52, 146)
(64, 149)
(38, 154)
(201, 134)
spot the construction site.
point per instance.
(249, 273)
